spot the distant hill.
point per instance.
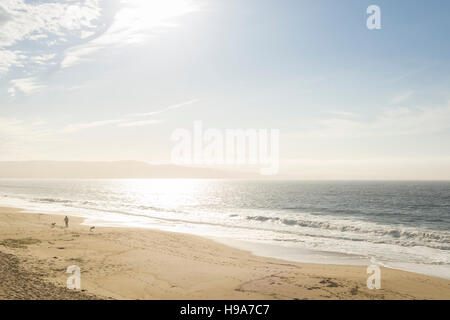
(108, 170)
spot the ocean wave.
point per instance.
(400, 236)
(346, 211)
(51, 200)
(151, 208)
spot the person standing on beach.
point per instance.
(66, 220)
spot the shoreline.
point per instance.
(127, 263)
(268, 250)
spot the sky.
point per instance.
(103, 80)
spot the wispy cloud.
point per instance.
(140, 123)
(410, 73)
(4, 16)
(23, 21)
(88, 125)
(77, 55)
(126, 121)
(393, 122)
(70, 32)
(172, 107)
(26, 19)
(135, 22)
(43, 59)
(18, 138)
(25, 86)
(344, 114)
(402, 97)
(9, 59)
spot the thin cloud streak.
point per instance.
(125, 121)
(88, 125)
(140, 123)
(402, 97)
(172, 107)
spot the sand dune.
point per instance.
(145, 264)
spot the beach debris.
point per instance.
(92, 229)
(53, 224)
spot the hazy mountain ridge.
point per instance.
(107, 170)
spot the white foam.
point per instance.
(298, 237)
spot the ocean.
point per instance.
(403, 225)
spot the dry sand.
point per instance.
(123, 263)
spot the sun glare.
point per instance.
(139, 18)
(158, 11)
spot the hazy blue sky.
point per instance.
(111, 80)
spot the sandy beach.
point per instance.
(122, 263)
